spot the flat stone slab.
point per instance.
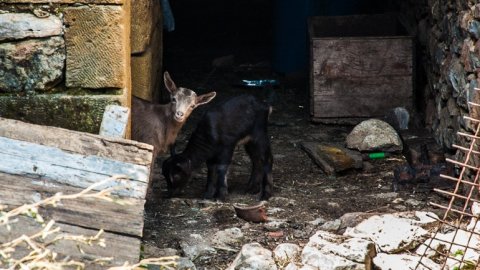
(384, 261)
(392, 233)
(464, 242)
(330, 251)
(331, 158)
(14, 26)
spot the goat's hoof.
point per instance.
(208, 196)
(222, 195)
(264, 197)
(252, 190)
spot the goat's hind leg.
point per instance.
(254, 151)
(267, 181)
(211, 175)
(223, 163)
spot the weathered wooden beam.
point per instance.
(78, 142)
(37, 162)
(89, 213)
(117, 247)
(30, 159)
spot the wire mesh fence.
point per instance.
(461, 249)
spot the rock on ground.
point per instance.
(464, 244)
(374, 135)
(227, 237)
(253, 257)
(195, 246)
(385, 261)
(287, 252)
(331, 251)
(391, 234)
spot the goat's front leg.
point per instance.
(210, 190)
(254, 152)
(267, 183)
(223, 162)
(172, 149)
(222, 186)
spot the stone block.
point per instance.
(79, 112)
(15, 26)
(147, 70)
(146, 19)
(34, 64)
(97, 46)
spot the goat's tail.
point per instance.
(270, 96)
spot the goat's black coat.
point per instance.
(241, 119)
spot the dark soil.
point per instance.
(302, 193)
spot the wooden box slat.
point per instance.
(89, 213)
(119, 248)
(357, 70)
(37, 162)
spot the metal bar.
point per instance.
(451, 209)
(470, 118)
(455, 195)
(462, 164)
(462, 181)
(468, 135)
(464, 149)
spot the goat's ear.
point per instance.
(169, 84)
(205, 98)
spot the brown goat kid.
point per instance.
(159, 124)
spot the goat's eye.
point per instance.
(192, 106)
(174, 100)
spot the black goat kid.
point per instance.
(239, 120)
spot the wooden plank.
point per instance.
(360, 77)
(25, 158)
(115, 121)
(360, 57)
(78, 142)
(119, 247)
(346, 99)
(38, 161)
(362, 25)
(88, 213)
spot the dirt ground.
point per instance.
(302, 192)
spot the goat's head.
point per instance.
(184, 100)
(177, 171)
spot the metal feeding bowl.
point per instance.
(251, 213)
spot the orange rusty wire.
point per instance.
(455, 196)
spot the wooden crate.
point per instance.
(360, 67)
(37, 162)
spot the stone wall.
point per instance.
(146, 46)
(448, 48)
(63, 61)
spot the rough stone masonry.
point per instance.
(62, 62)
